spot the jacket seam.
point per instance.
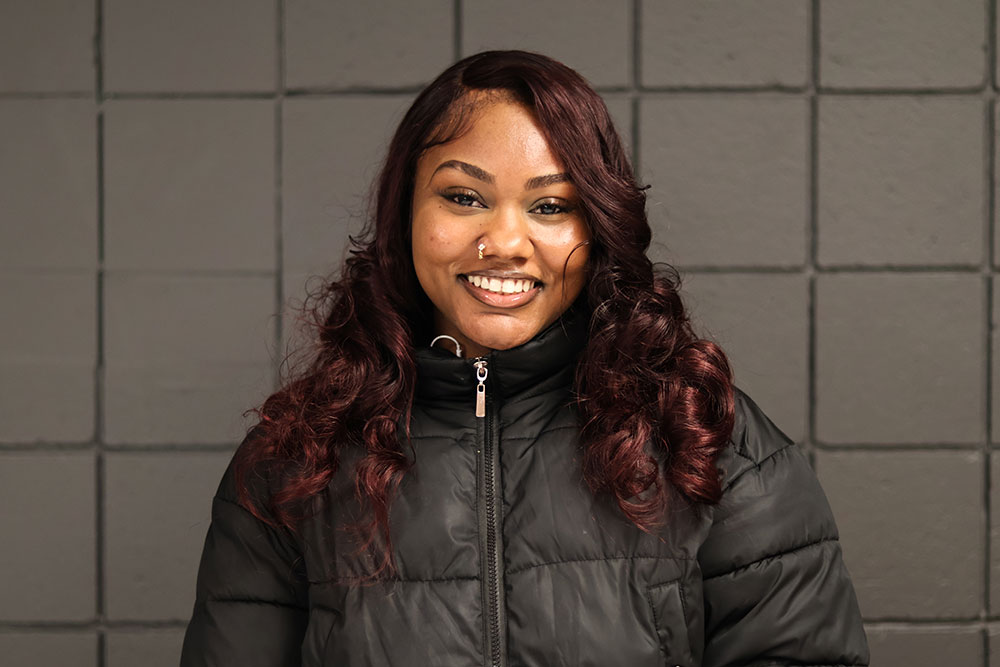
(235, 504)
(739, 448)
(656, 621)
(281, 536)
(345, 581)
(288, 540)
(757, 464)
(435, 436)
(272, 603)
(769, 557)
(554, 429)
(524, 568)
(540, 433)
(529, 396)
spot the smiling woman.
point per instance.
(578, 482)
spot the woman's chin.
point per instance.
(495, 336)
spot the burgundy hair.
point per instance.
(644, 376)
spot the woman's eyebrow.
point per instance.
(542, 181)
(470, 169)
(485, 176)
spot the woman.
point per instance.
(510, 448)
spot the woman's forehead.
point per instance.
(498, 135)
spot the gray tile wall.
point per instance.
(822, 171)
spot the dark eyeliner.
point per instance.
(450, 195)
(564, 208)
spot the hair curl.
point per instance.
(643, 377)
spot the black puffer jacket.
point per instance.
(506, 558)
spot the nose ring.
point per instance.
(482, 246)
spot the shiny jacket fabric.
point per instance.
(506, 559)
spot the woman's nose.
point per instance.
(508, 233)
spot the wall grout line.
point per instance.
(932, 624)
(192, 95)
(635, 103)
(894, 622)
(990, 200)
(164, 273)
(653, 91)
(76, 626)
(635, 26)
(991, 45)
(279, 148)
(99, 399)
(50, 95)
(13, 448)
(457, 30)
(635, 98)
(931, 91)
(99, 376)
(812, 230)
(991, 147)
(988, 261)
(898, 447)
(887, 269)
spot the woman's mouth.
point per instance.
(502, 293)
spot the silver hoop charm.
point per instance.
(458, 348)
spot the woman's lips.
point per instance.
(500, 300)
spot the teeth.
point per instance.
(508, 286)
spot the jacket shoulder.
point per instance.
(775, 585)
(772, 502)
(755, 439)
(261, 481)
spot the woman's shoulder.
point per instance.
(755, 439)
(259, 479)
(772, 501)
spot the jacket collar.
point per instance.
(544, 363)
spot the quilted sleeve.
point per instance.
(776, 588)
(251, 602)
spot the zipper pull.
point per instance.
(481, 387)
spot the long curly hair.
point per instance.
(643, 377)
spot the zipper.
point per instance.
(481, 373)
(490, 505)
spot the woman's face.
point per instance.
(500, 185)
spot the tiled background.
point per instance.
(822, 171)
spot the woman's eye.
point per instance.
(464, 199)
(550, 208)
